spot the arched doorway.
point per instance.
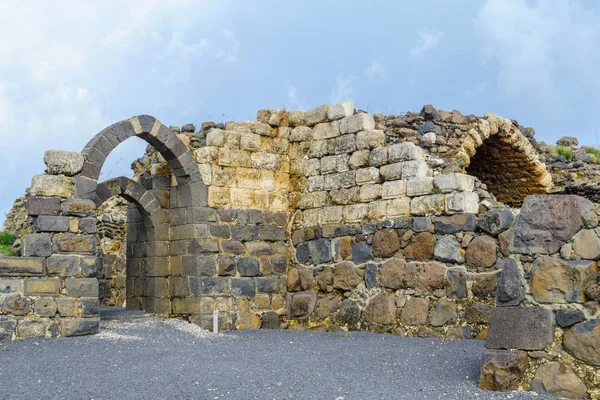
(147, 276)
(152, 256)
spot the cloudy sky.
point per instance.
(70, 68)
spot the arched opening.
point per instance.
(157, 205)
(147, 262)
(507, 163)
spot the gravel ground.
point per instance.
(152, 358)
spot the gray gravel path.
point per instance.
(151, 358)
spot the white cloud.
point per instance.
(294, 100)
(178, 46)
(377, 69)
(534, 44)
(343, 89)
(229, 48)
(428, 39)
(71, 68)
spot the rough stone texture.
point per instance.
(431, 276)
(60, 162)
(385, 243)
(37, 245)
(396, 274)
(495, 222)
(454, 224)
(456, 283)
(361, 253)
(484, 285)
(346, 276)
(566, 318)
(340, 110)
(415, 312)
(445, 312)
(546, 223)
(349, 312)
(523, 328)
(583, 341)
(447, 249)
(558, 380)
(270, 320)
(14, 266)
(586, 244)
(557, 281)
(52, 186)
(421, 248)
(381, 309)
(478, 313)
(481, 252)
(510, 289)
(301, 305)
(502, 370)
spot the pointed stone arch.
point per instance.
(149, 250)
(505, 160)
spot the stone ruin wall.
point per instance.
(333, 219)
(111, 230)
(111, 227)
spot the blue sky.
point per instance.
(70, 68)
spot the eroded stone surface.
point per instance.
(524, 328)
(502, 370)
(558, 380)
(583, 341)
(548, 222)
(557, 281)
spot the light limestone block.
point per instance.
(340, 110)
(428, 205)
(454, 182)
(414, 169)
(326, 130)
(370, 192)
(52, 186)
(301, 134)
(355, 212)
(332, 215)
(462, 202)
(398, 207)
(378, 157)
(405, 151)
(250, 141)
(356, 123)
(419, 187)
(393, 189)
(370, 139)
(359, 159)
(377, 210)
(367, 175)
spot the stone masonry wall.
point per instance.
(414, 276)
(52, 289)
(329, 219)
(544, 332)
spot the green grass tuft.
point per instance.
(6, 250)
(6, 242)
(593, 151)
(567, 152)
(7, 239)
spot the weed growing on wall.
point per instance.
(6, 242)
(567, 152)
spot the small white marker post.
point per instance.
(215, 321)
